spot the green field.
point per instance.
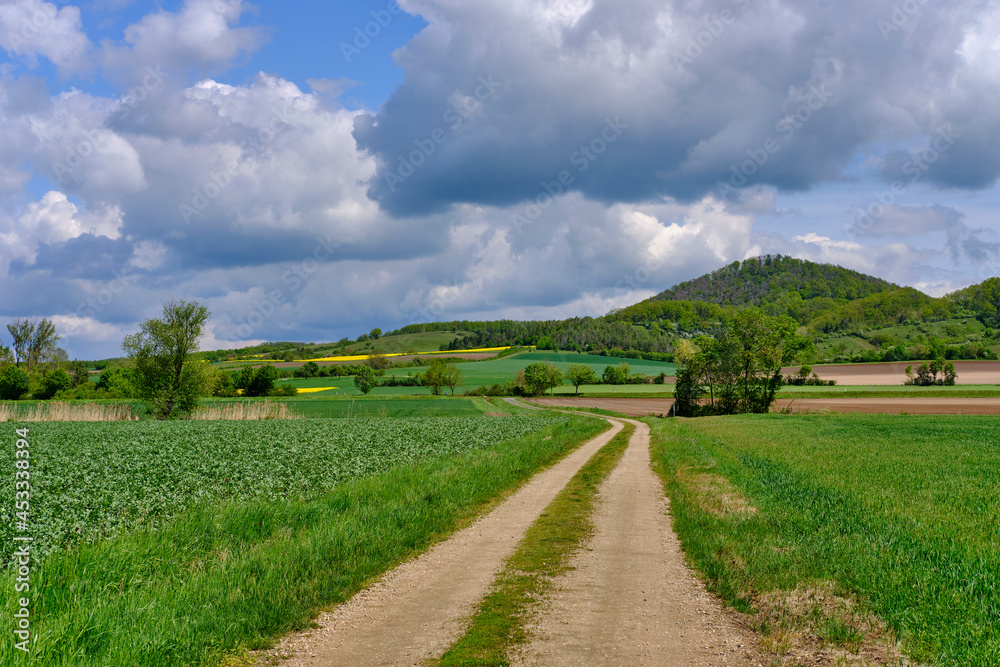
(501, 371)
(896, 514)
(210, 539)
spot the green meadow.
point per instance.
(891, 516)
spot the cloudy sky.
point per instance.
(311, 170)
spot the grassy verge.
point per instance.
(226, 577)
(543, 554)
(845, 533)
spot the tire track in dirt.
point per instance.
(630, 599)
(418, 610)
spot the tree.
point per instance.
(435, 377)
(365, 380)
(579, 374)
(118, 383)
(538, 377)
(378, 361)
(617, 374)
(21, 330)
(258, 381)
(159, 352)
(740, 370)
(33, 342)
(311, 369)
(14, 383)
(452, 377)
(375, 334)
(53, 382)
(80, 373)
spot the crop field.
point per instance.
(894, 513)
(94, 480)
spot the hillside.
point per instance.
(780, 286)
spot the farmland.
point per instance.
(258, 524)
(895, 514)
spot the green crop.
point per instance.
(94, 480)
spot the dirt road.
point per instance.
(416, 611)
(630, 599)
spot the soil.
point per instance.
(969, 372)
(630, 599)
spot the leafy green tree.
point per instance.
(53, 382)
(452, 377)
(435, 377)
(14, 383)
(740, 370)
(311, 368)
(378, 361)
(117, 382)
(579, 374)
(375, 334)
(158, 354)
(261, 381)
(80, 373)
(365, 379)
(541, 376)
(617, 374)
(22, 331)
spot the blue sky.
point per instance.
(313, 170)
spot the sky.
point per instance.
(312, 170)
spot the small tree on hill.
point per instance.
(365, 380)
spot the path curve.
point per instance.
(630, 599)
(418, 610)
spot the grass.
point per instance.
(542, 555)
(227, 577)
(856, 529)
(61, 411)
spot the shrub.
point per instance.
(53, 382)
(14, 383)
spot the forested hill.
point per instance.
(775, 278)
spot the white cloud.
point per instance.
(32, 28)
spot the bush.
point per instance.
(53, 382)
(284, 390)
(14, 383)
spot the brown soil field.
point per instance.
(641, 407)
(969, 372)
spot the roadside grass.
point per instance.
(543, 554)
(228, 577)
(845, 532)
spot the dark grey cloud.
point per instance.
(778, 93)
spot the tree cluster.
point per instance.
(738, 371)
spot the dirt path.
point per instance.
(416, 611)
(631, 600)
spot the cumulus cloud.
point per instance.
(32, 28)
